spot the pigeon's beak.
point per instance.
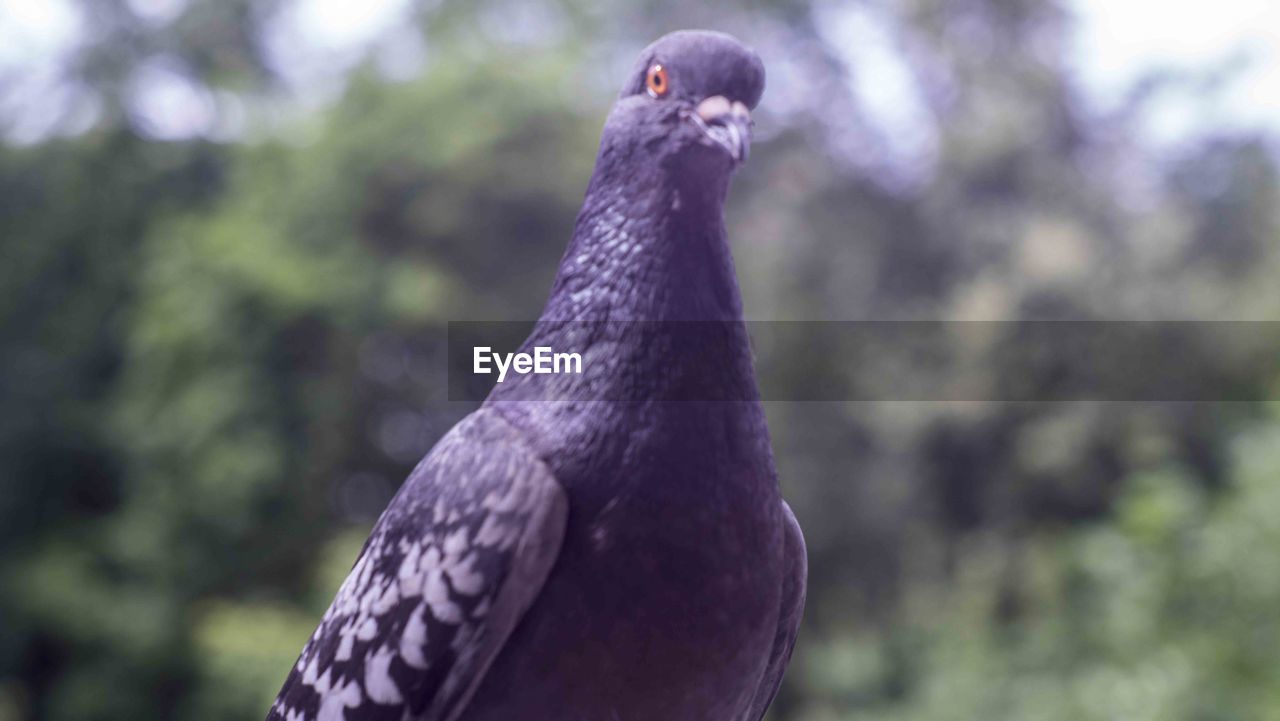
(726, 124)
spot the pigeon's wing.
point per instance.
(793, 594)
(450, 568)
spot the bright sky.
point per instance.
(1121, 39)
(1116, 42)
(30, 30)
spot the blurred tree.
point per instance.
(73, 212)
(280, 367)
(1164, 613)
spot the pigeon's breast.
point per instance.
(666, 593)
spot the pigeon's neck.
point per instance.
(647, 248)
(646, 258)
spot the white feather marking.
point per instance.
(411, 586)
(351, 696)
(465, 579)
(323, 684)
(312, 671)
(456, 542)
(430, 559)
(502, 503)
(377, 678)
(436, 593)
(409, 565)
(368, 630)
(491, 531)
(331, 709)
(390, 597)
(414, 639)
(347, 634)
(372, 593)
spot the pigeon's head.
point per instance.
(687, 104)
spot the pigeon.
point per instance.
(609, 545)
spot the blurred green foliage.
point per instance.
(1164, 611)
(218, 360)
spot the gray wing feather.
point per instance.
(793, 596)
(450, 568)
(536, 552)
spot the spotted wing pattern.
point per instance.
(451, 566)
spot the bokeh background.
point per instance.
(226, 227)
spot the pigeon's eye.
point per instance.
(656, 81)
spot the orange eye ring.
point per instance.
(655, 81)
